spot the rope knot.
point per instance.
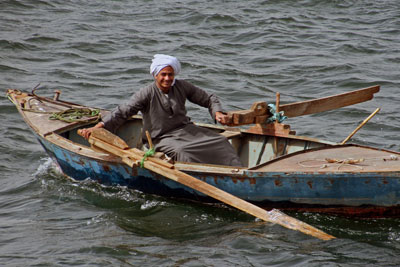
(276, 116)
(149, 153)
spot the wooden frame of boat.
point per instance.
(282, 170)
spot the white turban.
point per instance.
(161, 61)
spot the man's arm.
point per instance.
(121, 113)
(204, 99)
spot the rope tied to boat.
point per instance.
(276, 116)
(328, 162)
(75, 114)
(334, 162)
(149, 153)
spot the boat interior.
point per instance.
(255, 146)
(252, 149)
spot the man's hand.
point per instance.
(87, 131)
(221, 117)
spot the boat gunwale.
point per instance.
(86, 151)
(72, 125)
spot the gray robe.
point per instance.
(171, 130)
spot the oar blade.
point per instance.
(106, 136)
(329, 103)
(278, 217)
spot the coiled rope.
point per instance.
(75, 114)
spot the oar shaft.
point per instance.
(360, 126)
(131, 156)
(273, 216)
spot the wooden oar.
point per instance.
(359, 126)
(131, 156)
(259, 111)
(329, 103)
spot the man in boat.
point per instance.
(162, 105)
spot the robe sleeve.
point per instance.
(202, 98)
(138, 102)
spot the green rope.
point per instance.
(276, 116)
(68, 115)
(75, 114)
(148, 153)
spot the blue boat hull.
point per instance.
(336, 192)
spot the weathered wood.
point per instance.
(149, 139)
(260, 108)
(273, 129)
(108, 137)
(156, 159)
(359, 127)
(329, 103)
(131, 156)
(278, 102)
(231, 134)
(276, 126)
(315, 161)
(258, 113)
(242, 117)
(261, 119)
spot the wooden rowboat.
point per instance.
(282, 170)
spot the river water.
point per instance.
(98, 53)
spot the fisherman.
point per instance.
(162, 105)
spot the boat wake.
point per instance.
(47, 165)
(53, 179)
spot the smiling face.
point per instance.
(165, 78)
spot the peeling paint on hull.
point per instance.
(353, 194)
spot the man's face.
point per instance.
(165, 78)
